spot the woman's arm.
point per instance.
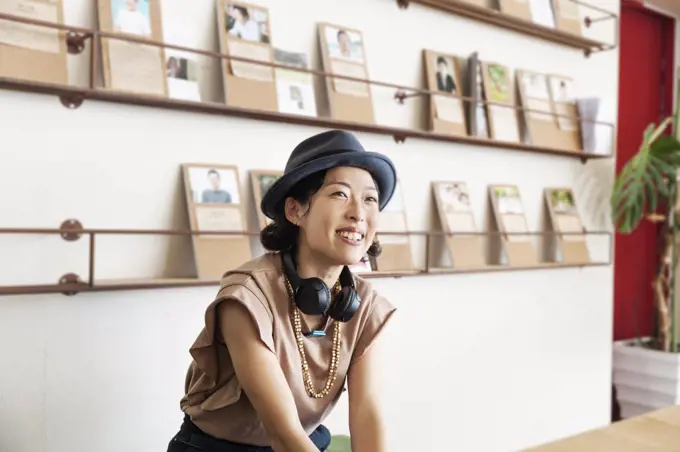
(259, 373)
(367, 431)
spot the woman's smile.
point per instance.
(351, 236)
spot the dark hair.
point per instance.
(213, 171)
(242, 10)
(441, 60)
(281, 234)
(342, 32)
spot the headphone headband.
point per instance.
(313, 296)
(346, 276)
(290, 267)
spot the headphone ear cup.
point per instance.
(313, 296)
(345, 305)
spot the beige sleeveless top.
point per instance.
(214, 399)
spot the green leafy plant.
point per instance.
(647, 182)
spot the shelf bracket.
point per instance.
(68, 279)
(70, 230)
(75, 42)
(399, 138)
(71, 101)
(403, 4)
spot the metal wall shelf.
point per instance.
(496, 18)
(73, 97)
(71, 283)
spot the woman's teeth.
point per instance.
(354, 236)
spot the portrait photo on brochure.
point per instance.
(213, 185)
(508, 200)
(499, 89)
(179, 68)
(454, 197)
(446, 82)
(562, 202)
(249, 23)
(344, 44)
(182, 78)
(131, 17)
(265, 181)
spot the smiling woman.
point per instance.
(287, 330)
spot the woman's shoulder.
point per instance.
(266, 267)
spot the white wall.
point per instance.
(480, 362)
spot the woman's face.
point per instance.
(341, 219)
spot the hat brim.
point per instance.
(378, 165)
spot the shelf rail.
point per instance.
(72, 230)
(495, 17)
(73, 96)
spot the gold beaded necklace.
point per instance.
(299, 338)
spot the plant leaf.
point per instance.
(643, 181)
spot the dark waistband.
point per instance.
(321, 437)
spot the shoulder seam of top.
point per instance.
(245, 285)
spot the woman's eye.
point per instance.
(339, 193)
(371, 199)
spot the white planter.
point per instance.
(646, 380)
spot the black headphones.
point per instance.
(313, 296)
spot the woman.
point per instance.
(242, 25)
(288, 329)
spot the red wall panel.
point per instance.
(647, 41)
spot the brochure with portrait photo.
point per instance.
(502, 114)
(247, 32)
(564, 214)
(396, 248)
(571, 241)
(452, 200)
(295, 89)
(131, 66)
(261, 180)
(447, 111)
(244, 32)
(549, 110)
(346, 53)
(343, 54)
(511, 222)
(508, 203)
(215, 205)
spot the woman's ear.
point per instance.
(293, 211)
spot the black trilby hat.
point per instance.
(329, 150)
